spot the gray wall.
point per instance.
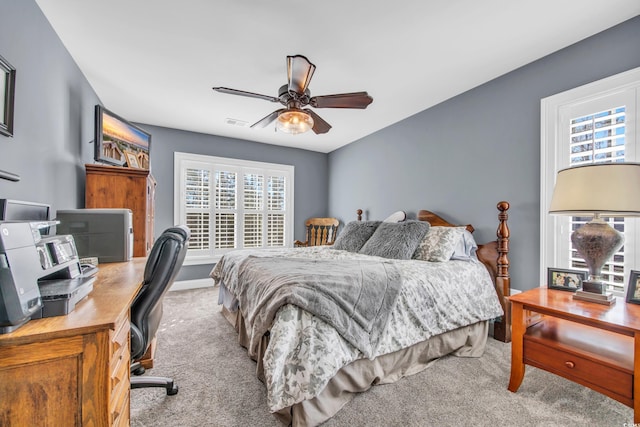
(464, 155)
(311, 179)
(53, 124)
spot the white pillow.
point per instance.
(398, 216)
(439, 244)
(466, 248)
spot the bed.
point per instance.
(324, 323)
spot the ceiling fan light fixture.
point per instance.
(294, 121)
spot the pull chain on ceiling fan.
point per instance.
(295, 95)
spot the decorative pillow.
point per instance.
(397, 240)
(398, 216)
(439, 244)
(466, 247)
(354, 235)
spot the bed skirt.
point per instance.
(362, 374)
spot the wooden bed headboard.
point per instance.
(494, 255)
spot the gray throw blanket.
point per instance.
(353, 296)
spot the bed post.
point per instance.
(502, 328)
(359, 212)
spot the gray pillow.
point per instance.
(397, 240)
(354, 235)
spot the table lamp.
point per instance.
(605, 189)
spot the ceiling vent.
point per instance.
(236, 122)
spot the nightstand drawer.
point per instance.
(576, 367)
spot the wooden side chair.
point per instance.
(319, 231)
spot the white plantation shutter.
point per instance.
(253, 209)
(599, 138)
(595, 123)
(275, 230)
(197, 206)
(276, 201)
(232, 204)
(225, 209)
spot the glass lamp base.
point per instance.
(594, 287)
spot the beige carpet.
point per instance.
(218, 387)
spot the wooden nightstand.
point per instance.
(588, 343)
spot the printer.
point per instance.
(39, 276)
(106, 234)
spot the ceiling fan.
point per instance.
(295, 95)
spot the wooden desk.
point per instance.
(591, 344)
(73, 370)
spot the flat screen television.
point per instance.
(119, 142)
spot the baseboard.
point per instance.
(191, 284)
(514, 291)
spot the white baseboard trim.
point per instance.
(191, 284)
(514, 291)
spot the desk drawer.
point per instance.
(120, 337)
(120, 414)
(119, 368)
(575, 366)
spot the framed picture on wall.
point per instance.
(565, 280)
(7, 93)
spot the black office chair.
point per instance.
(163, 264)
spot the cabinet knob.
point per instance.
(569, 364)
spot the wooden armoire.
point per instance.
(125, 188)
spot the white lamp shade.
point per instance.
(608, 189)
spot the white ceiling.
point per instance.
(155, 61)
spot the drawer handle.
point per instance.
(569, 364)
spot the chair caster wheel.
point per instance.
(139, 371)
(173, 390)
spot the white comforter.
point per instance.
(304, 352)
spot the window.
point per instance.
(232, 204)
(595, 123)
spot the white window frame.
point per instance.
(212, 255)
(554, 156)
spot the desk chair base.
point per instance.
(164, 382)
(144, 382)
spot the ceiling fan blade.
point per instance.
(319, 125)
(299, 73)
(342, 100)
(268, 119)
(244, 93)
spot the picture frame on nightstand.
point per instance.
(566, 280)
(633, 288)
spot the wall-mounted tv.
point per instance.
(119, 142)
